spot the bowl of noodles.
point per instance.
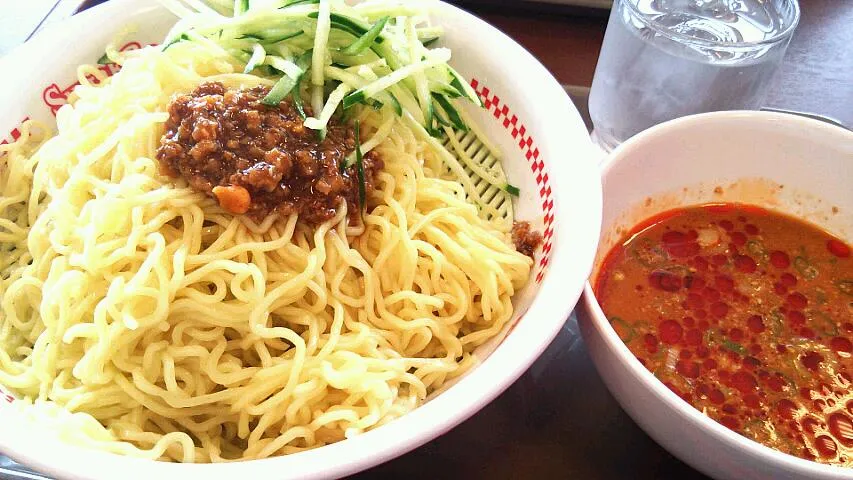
(288, 238)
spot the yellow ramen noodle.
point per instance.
(143, 319)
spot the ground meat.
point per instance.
(525, 239)
(259, 160)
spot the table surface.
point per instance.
(559, 420)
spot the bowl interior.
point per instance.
(543, 140)
(784, 163)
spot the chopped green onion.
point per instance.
(429, 42)
(845, 287)
(776, 322)
(757, 250)
(104, 60)
(366, 40)
(241, 7)
(622, 328)
(733, 347)
(648, 253)
(806, 269)
(822, 322)
(512, 190)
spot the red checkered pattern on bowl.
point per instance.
(503, 114)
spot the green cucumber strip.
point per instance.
(347, 24)
(303, 62)
(344, 118)
(321, 118)
(353, 98)
(460, 84)
(292, 3)
(445, 89)
(288, 67)
(241, 7)
(395, 104)
(284, 37)
(179, 38)
(270, 37)
(511, 189)
(258, 55)
(440, 121)
(395, 77)
(298, 104)
(280, 90)
(359, 166)
(429, 33)
(451, 112)
(366, 40)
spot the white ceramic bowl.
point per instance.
(783, 162)
(547, 154)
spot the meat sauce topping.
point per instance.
(747, 315)
(526, 239)
(259, 160)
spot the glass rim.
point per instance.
(663, 30)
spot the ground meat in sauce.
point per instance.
(260, 160)
(526, 240)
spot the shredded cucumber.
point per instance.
(257, 58)
(374, 54)
(325, 115)
(367, 39)
(369, 91)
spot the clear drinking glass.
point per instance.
(663, 59)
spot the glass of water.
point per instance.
(663, 59)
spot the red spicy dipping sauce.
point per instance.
(748, 316)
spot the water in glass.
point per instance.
(662, 59)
